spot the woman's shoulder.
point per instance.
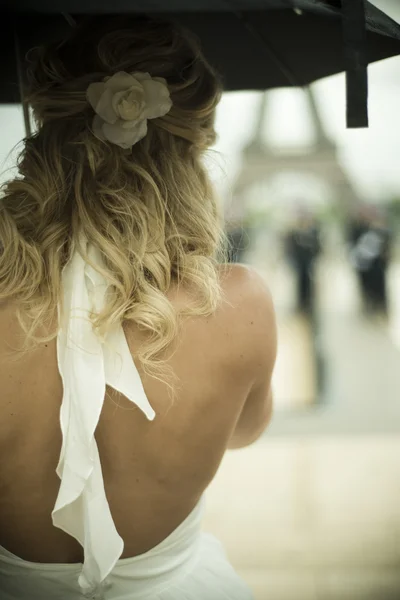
(241, 333)
(245, 295)
(245, 298)
(247, 311)
(244, 285)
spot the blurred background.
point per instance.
(312, 510)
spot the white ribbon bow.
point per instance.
(86, 365)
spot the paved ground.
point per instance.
(312, 510)
(312, 518)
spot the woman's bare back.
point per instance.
(154, 472)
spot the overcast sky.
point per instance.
(371, 156)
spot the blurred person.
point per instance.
(237, 238)
(370, 246)
(236, 229)
(130, 361)
(302, 247)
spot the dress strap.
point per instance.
(87, 364)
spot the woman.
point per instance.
(129, 360)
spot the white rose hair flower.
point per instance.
(124, 102)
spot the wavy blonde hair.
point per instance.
(151, 211)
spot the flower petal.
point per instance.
(123, 137)
(158, 101)
(141, 76)
(129, 105)
(104, 107)
(120, 81)
(97, 127)
(94, 92)
(130, 124)
(160, 80)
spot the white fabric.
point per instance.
(188, 564)
(86, 365)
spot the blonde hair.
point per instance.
(151, 211)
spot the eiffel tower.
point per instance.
(262, 162)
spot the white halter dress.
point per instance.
(189, 564)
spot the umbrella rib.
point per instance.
(70, 19)
(266, 45)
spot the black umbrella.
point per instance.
(255, 44)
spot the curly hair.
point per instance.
(150, 210)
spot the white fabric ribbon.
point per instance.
(86, 364)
